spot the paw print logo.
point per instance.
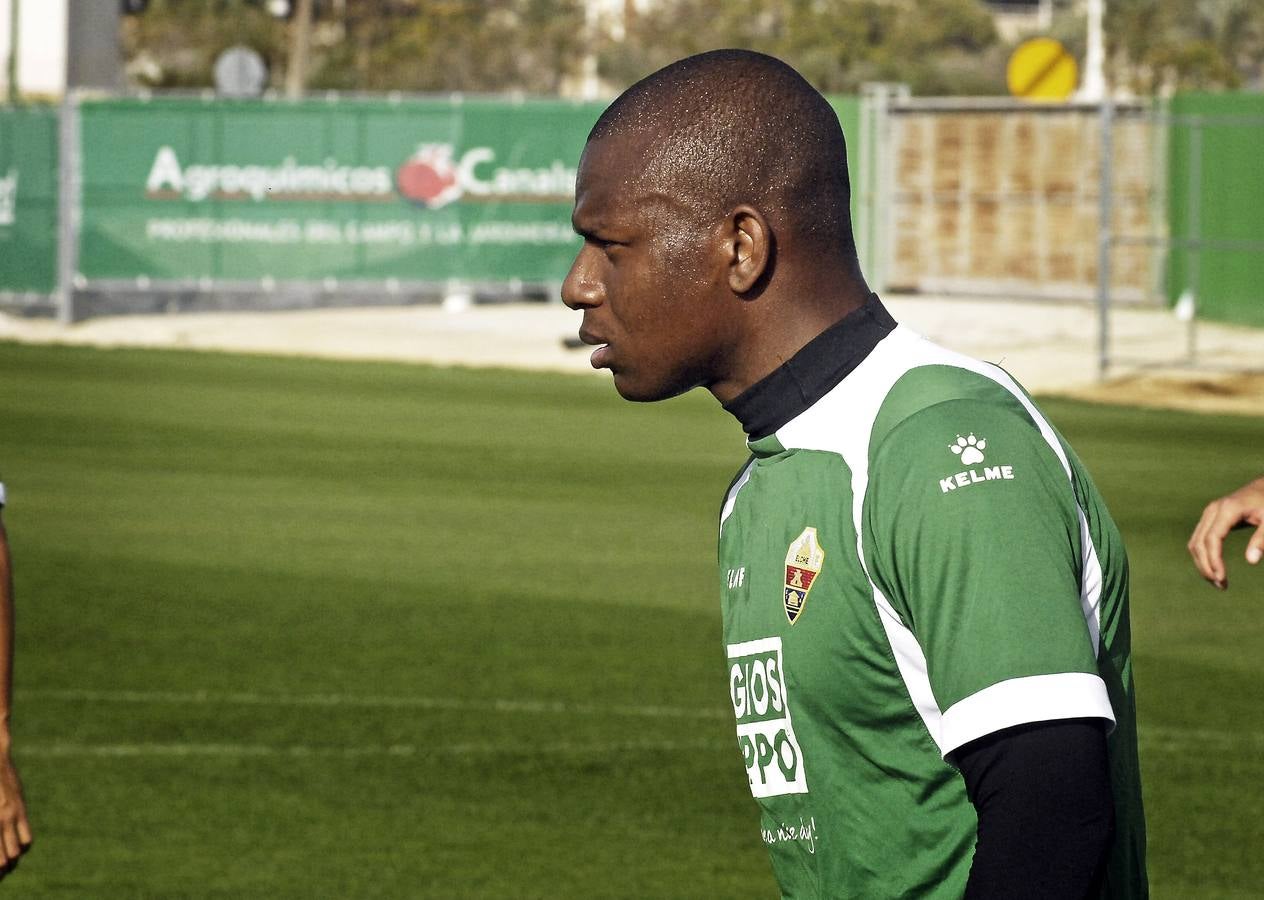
(970, 449)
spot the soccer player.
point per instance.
(1243, 507)
(15, 830)
(924, 598)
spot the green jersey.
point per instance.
(913, 558)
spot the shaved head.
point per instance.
(712, 199)
(734, 127)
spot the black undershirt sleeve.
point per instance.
(1046, 813)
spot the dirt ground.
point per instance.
(1241, 394)
(1049, 347)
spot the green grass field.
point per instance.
(292, 628)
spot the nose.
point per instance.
(581, 289)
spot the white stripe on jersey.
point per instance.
(730, 499)
(1017, 701)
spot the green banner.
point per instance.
(1216, 195)
(416, 190)
(28, 199)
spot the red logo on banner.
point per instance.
(429, 177)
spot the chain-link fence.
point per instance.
(1202, 247)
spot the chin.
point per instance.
(641, 391)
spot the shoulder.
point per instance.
(945, 426)
(986, 463)
(903, 376)
(942, 395)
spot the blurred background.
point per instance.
(381, 598)
(345, 151)
(164, 155)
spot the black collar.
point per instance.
(811, 373)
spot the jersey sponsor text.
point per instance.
(765, 734)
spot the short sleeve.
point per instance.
(3, 497)
(972, 532)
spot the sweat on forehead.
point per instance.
(735, 126)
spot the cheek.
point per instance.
(684, 289)
(687, 259)
(679, 327)
(658, 295)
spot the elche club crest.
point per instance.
(803, 563)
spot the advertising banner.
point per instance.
(28, 199)
(1215, 189)
(415, 190)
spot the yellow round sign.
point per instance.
(1041, 69)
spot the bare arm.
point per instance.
(1244, 507)
(15, 830)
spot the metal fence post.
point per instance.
(1160, 125)
(15, 32)
(1194, 237)
(874, 229)
(1104, 235)
(69, 208)
(884, 169)
(862, 179)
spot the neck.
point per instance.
(813, 372)
(776, 327)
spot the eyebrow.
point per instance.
(595, 229)
(588, 233)
(582, 230)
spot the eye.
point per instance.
(605, 245)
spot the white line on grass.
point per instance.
(117, 751)
(1151, 739)
(232, 698)
(1182, 739)
(1155, 738)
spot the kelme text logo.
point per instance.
(969, 450)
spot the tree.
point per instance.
(174, 43)
(1203, 44)
(369, 45)
(457, 45)
(936, 46)
(538, 46)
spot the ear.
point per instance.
(748, 248)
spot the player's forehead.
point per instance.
(615, 186)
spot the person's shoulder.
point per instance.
(951, 392)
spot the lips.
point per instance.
(601, 356)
